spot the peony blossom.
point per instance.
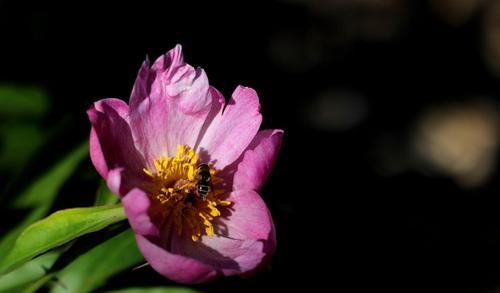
(190, 226)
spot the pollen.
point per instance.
(177, 179)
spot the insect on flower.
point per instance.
(204, 184)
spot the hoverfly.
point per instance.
(204, 184)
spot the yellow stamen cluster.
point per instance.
(176, 179)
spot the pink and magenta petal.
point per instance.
(233, 128)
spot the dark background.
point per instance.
(353, 210)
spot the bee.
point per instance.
(204, 184)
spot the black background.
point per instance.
(341, 225)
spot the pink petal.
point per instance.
(233, 128)
(112, 146)
(136, 204)
(181, 81)
(174, 266)
(258, 160)
(114, 181)
(227, 255)
(249, 217)
(244, 239)
(142, 84)
(217, 105)
(169, 104)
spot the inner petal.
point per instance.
(188, 195)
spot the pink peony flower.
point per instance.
(193, 222)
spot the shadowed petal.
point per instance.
(174, 266)
(112, 146)
(233, 128)
(258, 160)
(244, 239)
(227, 255)
(249, 218)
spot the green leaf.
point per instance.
(40, 194)
(105, 196)
(57, 229)
(23, 101)
(155, 290)
(90, 270)
(45, 188)
(18, 141)
(29, 272)
(35, 286)
(8, 240)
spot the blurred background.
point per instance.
(388, 176)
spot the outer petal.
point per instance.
(136, 204)
(227, 255)
(181, 81)
(233, 128)
(249, 217)
(244, 238)
(258, 160)
(142, 85)
(112, 147)
(174, 266)
(169, 104)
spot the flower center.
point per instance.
(188, 191)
